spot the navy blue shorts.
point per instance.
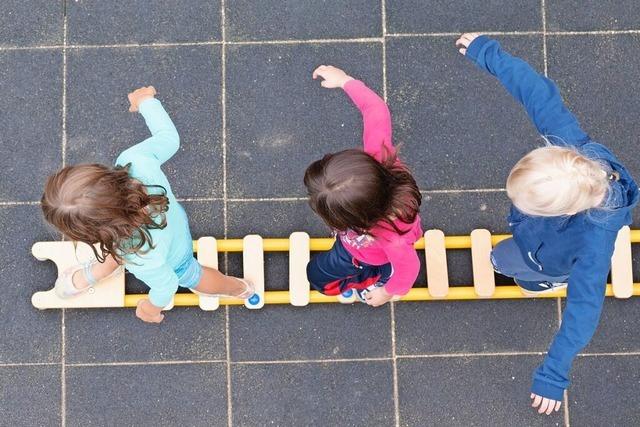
(336, 271)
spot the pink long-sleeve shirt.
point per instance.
(387, 246)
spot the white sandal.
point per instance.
(249, 291)
(64, 286)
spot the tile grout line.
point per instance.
(21, 364)
(383, 13)
(544, 35)
(18, 203)
(225, 196)
(392, 322)
(147, 363)
(565, 394)
(467, 190)
(63, 333)
(545, 58)
(311, 41)
(462, 355)
(394, 358)
(276, 199)
(302, 361)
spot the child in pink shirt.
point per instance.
(371, 201)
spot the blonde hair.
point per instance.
(554, 181)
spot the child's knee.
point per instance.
(500, 255)
(312, 275)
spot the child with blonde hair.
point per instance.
(569, 199)
(131, 213)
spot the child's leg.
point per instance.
(99, 271)
(214, 282)
(335, 271)
(210, 281)
(326, 271)
(508, 261)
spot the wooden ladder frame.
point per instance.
(111, 292)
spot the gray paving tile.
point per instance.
(592, 74)
(617, 330)
(480, 326)
(604, 391)
(475, 391)
(187, 79)
(142, 21)
(272, 219)
(318, 331)
(461, 213)
(177, 394)
(302, 19)
(589, 15)
(30, 395)
(31, 121)
(635, 255)
(205, 218)
(116, 335)
(34, 23)
(314, 394)
(416, 16)
(27, 334)
(459, 127)
(280, 120)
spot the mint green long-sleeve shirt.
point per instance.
(173, 244)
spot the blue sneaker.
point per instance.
(360, 293)
(537, 288)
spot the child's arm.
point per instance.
(406, 267)
(585, 296)
(538, 94)
(375, 113)
(164, 141)
(162, 282)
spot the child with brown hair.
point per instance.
(130, 211)
(371, 201)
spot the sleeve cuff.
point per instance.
(148, 104)
(351, 84)
(473, 51)
(548, 390)
(160, 301)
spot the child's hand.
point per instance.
(333, 77)
(139, 95)
(465, 40)
(547, 406)
(377, 297)
(148, 312)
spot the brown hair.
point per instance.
(93, 203)
(352, 190)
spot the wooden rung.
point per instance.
(208, 257)
(299, 255)
(253, 265)
(107, 293)
(484, 281)
(621, 265)
(436, 257)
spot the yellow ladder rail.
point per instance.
(111, 292)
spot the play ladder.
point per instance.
(111, 292)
